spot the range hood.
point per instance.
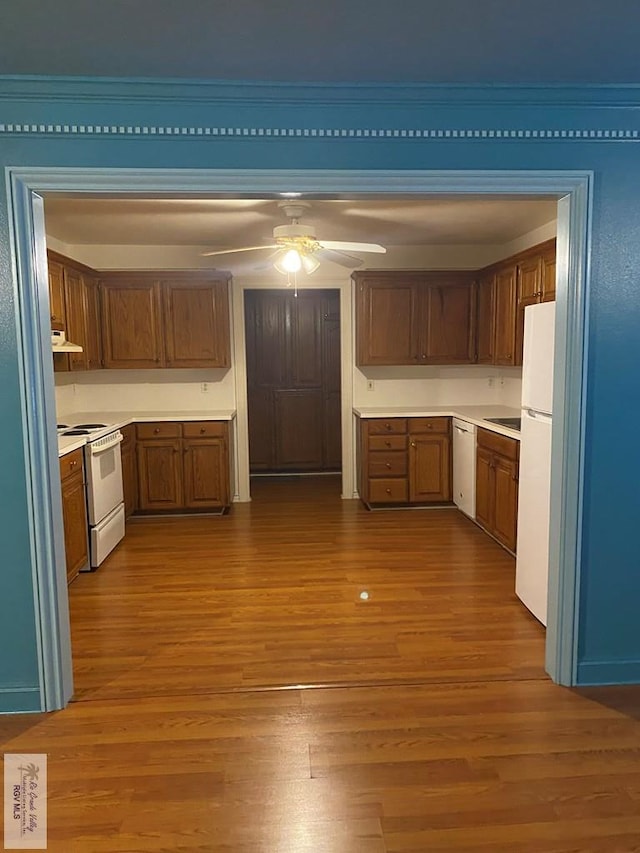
(59, 342)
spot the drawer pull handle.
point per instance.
(387, 426)
(388, 464)
(202, 430)
(413, 444)
(387, 443)
(156, 430)
(388, 491)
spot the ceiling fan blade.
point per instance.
(342, 246)
(338, 258)
(233, 251)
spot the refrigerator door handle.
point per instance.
(540, 416)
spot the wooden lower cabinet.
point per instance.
(497, 486)
(74, 513)
(183, 466)
(129, 469)
(405, 461)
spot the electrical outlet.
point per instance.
(371, 385)
(204, 387)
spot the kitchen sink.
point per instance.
(511, 423)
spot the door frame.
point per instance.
(573, 189)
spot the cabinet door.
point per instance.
(93, 339)
(74, 294)
(196, 323)
(159, 474)
(449, 314)
(56, 293)
(529, 293)
(549, 275)
(206, 473)
(429, 468)
(506, 501)
(486, 320)
(505, 336)
(484, 488)
(387, 322)
(131, 330)
(74, 515)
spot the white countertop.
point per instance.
(474, 414)
(117, 420)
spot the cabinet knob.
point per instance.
(156, 430)
(388, 465)
(423, 356)
(387, 444)
(387, 426)
(413, 444)
(202, 430)
(388, 491)
(429, 426)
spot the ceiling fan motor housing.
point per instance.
(294, 232)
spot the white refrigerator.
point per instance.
(534, 492)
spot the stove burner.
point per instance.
(89, 426)
(76, 432)
(62, 426)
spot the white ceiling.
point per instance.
(230, 223)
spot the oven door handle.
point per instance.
(106, 443)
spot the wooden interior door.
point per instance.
(293, 380)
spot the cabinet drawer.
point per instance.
(429, 425)
(496, 443)
(388, 491)
(160, 429)
(382, 426)
(204, 429)
(70, 464)
(387, 442)
(392, 464)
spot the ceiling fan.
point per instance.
(298, 249)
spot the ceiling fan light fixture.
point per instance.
(309, 264)
(290, 262)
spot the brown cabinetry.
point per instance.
(414, 318)
(497, 486)
(151, 320)
(504, 291)
(405, 460)
(129, 469)
(183, 466)
(74, 513)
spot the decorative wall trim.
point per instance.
(155, 131)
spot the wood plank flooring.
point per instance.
(435, 730)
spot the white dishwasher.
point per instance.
(464, 466)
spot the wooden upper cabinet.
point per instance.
(549, 274)
(505, 316)
(152, 320)
(414, 318)
(56, 294)
(93, 332)
(196, 323)
(76, 325)
(486, 320)
(387, 320)
(449, 314)
(131, 330)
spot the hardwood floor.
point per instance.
(435, 730)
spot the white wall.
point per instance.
(144, 391)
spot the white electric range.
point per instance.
(105, 497)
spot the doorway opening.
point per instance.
(293, 381)
(39, 406)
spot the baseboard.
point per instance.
(596, 673)
(20, 700)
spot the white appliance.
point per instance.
(105, 497)
(532, 560)
(464, 466)
(59, 342)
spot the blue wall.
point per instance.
(48, 122)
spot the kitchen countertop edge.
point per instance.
(117, 420)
